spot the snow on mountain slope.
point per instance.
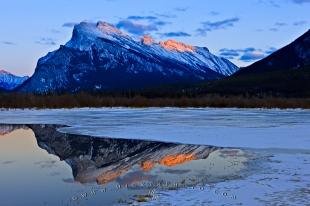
(101, 57)
(9, 81)
(85, 34)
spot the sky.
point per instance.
(242, 31)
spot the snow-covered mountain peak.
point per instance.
(173, 45)
(99, 29)
(9, 81)
(109, 28)
(2, 71)
(85, 34)
(147, 39)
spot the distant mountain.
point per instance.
(101, 57)
(9, 81)
(286, 72)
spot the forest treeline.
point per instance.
(18, 100)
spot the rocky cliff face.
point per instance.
(101, 57)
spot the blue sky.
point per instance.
(241, 30)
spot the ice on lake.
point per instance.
(278, 140)
(254, 128)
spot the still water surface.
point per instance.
(155, 156)
(41, 166)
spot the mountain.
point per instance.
(9, 81)
(100, 57)
(291, 57)
(286, 72)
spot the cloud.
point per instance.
(136, 28)
(208, 26)
(280, 24)
(277, 26)
(277, 3)
(55, 31)
(300, 1)
(161, 23)
(270, 50)
(69, 24)
(274, 29)
(139, 25)
(46, 41)
(142, 18)
(249, 49)
(252, 56)
(271, 3)
(229, 53)
(299, 23)
(214, 13)
(165, 15)
(181, 9)
(8, 43)
(247, 54)
(175, 34)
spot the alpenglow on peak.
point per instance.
(173, 45)
(100, 57)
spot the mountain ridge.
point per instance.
(286, 72)
(100, 57)
(292, 56)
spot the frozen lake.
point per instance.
(251, 128)
(276, 141)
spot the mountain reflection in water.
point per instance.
(109, 162)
